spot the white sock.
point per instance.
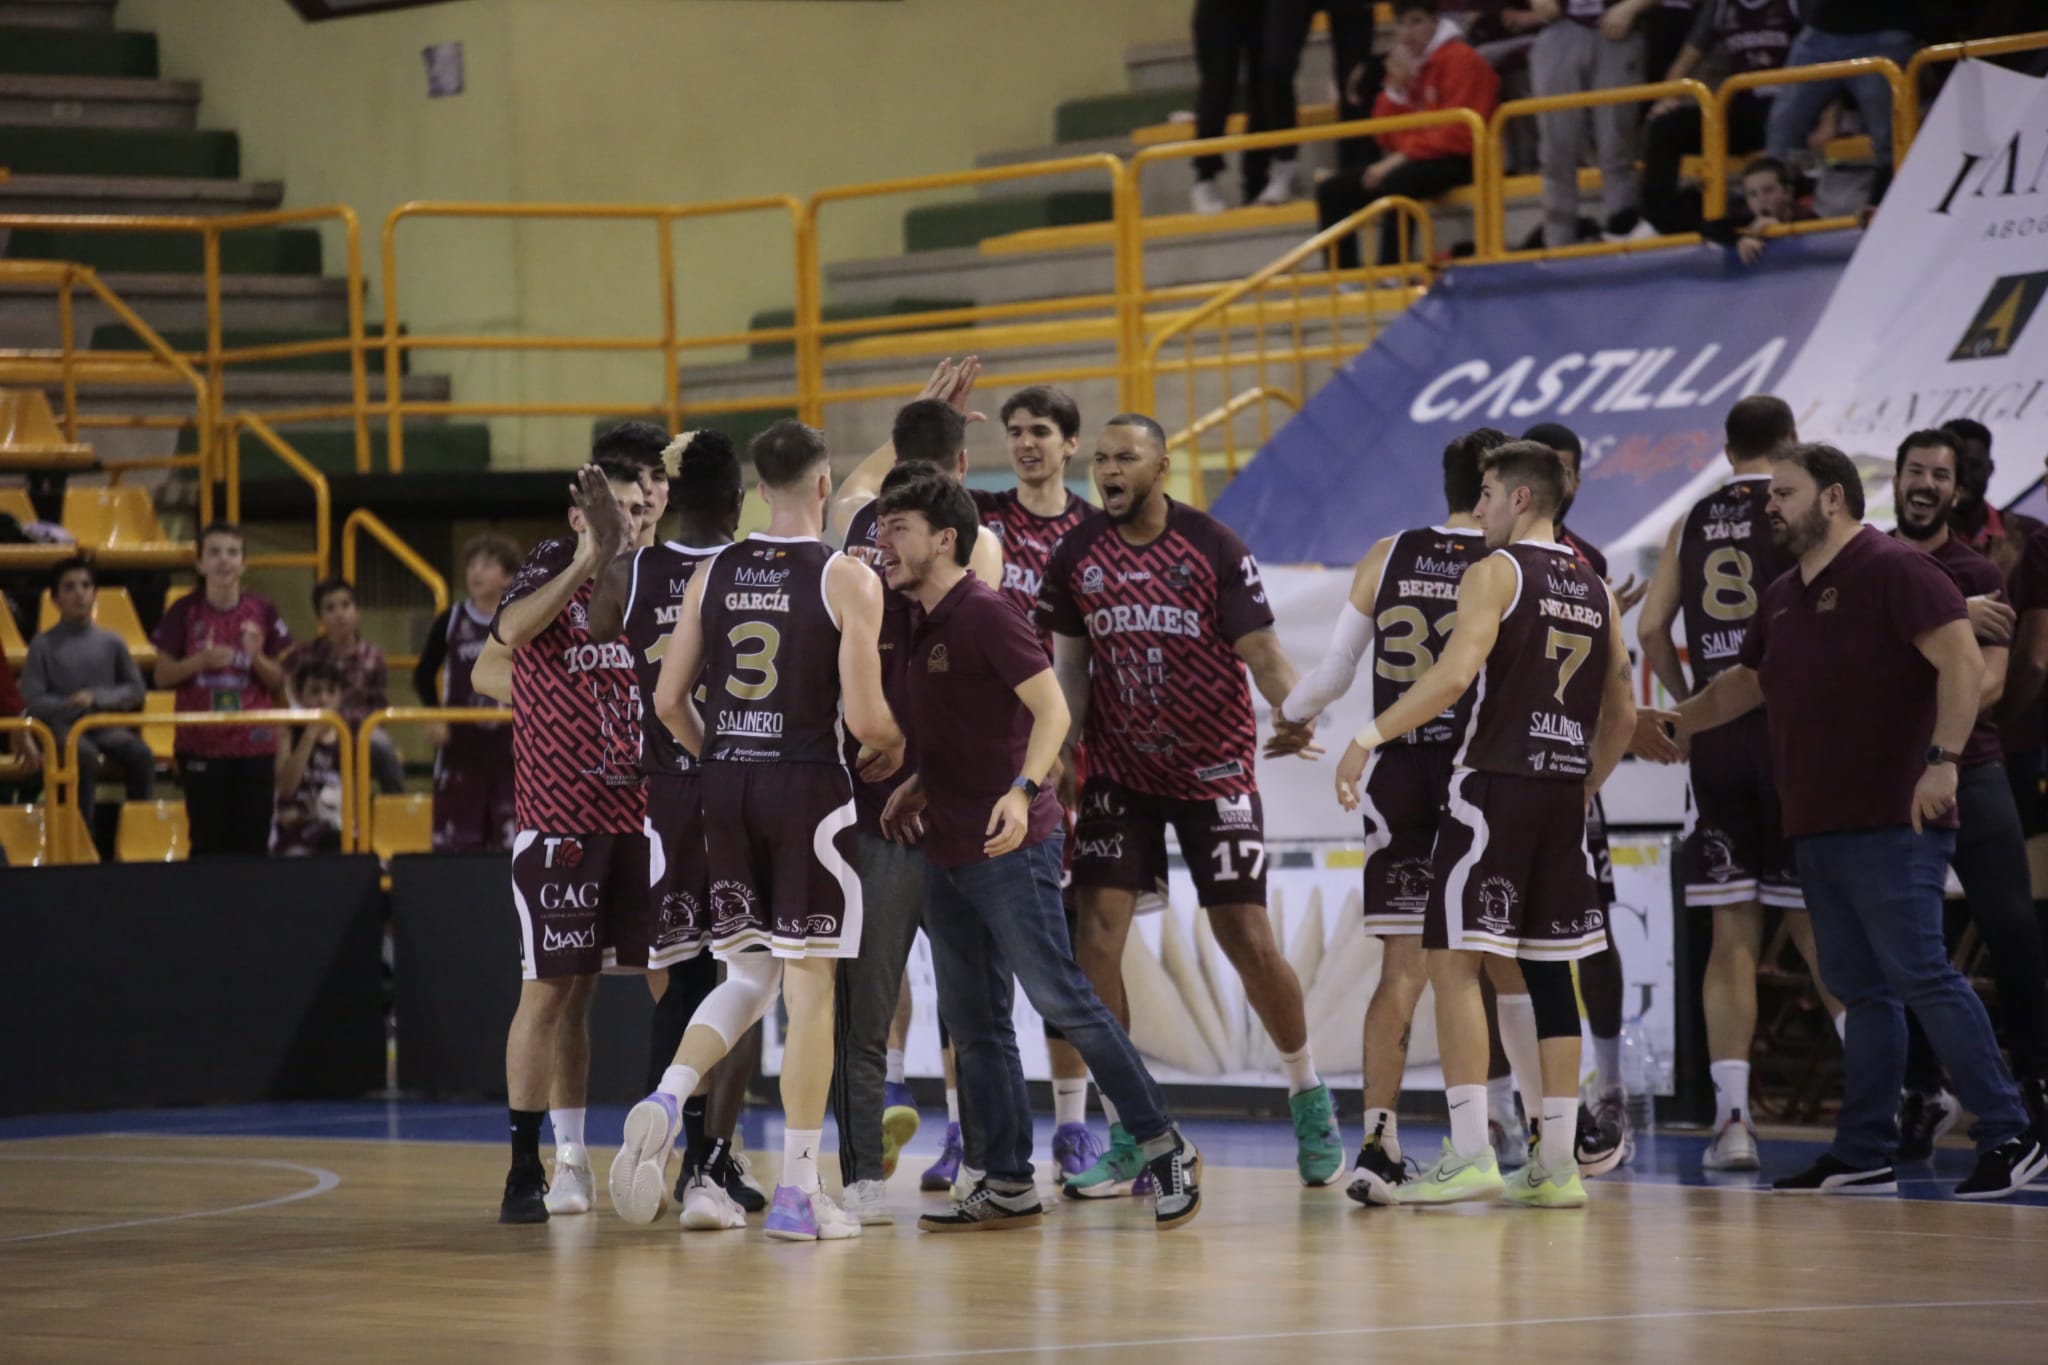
(952, 1106)
(1108, 1109)
(1069, 1100)
(1468, 1119)
(800, 1158)
(894, 1072)
(1301, 1070)
(1842, 1026)
(1517, 1015)
(1731, 1090)
(679, 1081)
(568, 1126)
(1560, 1133)
(1607, 1063)
(1383, 1124)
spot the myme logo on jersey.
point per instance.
(1567, 587)
(747, 576)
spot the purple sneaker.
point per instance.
(639, 1176)
(1074, 1150)
(941, 1174)
(799, 1217)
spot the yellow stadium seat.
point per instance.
(28, 558)
(21, 834)
(30, 437)
(152, 832)
(14, 502)
(112, 610)
(11, 642)
(160, 738)
(119, 526)
(402, 824)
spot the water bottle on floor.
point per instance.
(1639, 1076)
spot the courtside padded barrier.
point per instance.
(76, 52)
(216, 982)
(455, 938)
(430, 448)
(208, 154)
(251, 251)
(965, 222)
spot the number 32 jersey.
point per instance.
(771, 647)
(1414, 610)
(1537, 699)
(1726, 559)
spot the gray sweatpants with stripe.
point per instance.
(1567, 58)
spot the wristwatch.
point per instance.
(1937, 754)
(1029, 788)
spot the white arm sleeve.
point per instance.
(1331, 677)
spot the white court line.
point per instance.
(1677, 1314)
(323, 1181)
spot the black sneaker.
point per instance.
(1829, 1176)
(1604, 1139)
(1375, 1174)
(730, 1171)
(1924, 1117)
(987, 1210)
(2007, 1168)
(1177, 1177)
(525, 1201)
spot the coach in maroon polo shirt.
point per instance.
(987, 722)
(1865, 653)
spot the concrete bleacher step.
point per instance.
(964, 222)
(256, 251)
(67, 14)
(98, 102)
(121, 337)
(1118, 115)
(144, 195)
(175, 302)
(839, 312)
(209, 153)
(37, 49)
(430, 448)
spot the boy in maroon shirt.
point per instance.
(365, 685)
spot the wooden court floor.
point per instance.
(151, 1248)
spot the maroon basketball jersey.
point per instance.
(1725, 560)
(1757, 34)
(870, 797)
(660, 577)
(1028, 540)
(575, 716)
(1414, 610)
(1537, 699)
(1169, 706)
(771, 643)
(468, 631)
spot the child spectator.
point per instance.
(472, 763)
(74, 669)
(361, 664)
(307, 818)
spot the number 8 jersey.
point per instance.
(1414, 610)
(771, 648)
(1726, 559)
(1537, 699)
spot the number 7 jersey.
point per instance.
(771, 651)
(1414, 610)
(1537, 698)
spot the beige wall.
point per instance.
(676, 101)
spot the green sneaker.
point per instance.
(1454, 1179)
(1113, 1173)
(1543, 1189)
(1318, 1146)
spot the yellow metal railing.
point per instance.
(365, 809)
(53, 773)
(364, 520)
(1197, 465)
(1941, 53)
(323, 509)
(1903, 119)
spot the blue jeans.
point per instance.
(1795, 109)
(1875, 898)
(986, 920)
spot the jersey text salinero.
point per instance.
(1414, 609)
(1537, 698)
(1725, 560)
(771, 673)
(1169, 706)
(1028, 540)
(660, 577)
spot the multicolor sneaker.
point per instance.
(1074, 1150)
(574, 1187)
(639, 1176)
(941, 1174)
(1114, 1173)
(899, 1124)
(799, 1217)
(1604, 1139)
(987, 1210)
(707, 1207)
(1455, 1179)
(1509, 1137)
(964, 1183)
(1177, 1179)
(1541, 1188)
(1318, 1146)
(728, 1169)
(1376, 1174)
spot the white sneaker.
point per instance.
(708, 1208)
(573, 1187)
(639, 1175)
(745, 1168)
(1280, 188)
(1206, 199)
(964, 1183)
(868, 1202)
(1733, 1148)
(834, 1222)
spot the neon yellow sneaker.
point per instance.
(1540, 1188)
(1454, 1179)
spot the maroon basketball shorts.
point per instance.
(1403, 800)
(1735, 846)
(1510, 874)
(678, 870)
(1120, 842)
(784, 859)
(473, 810)
(582, 902)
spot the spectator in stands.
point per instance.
(1666, 25)
(219, 647)
(1430, 66)
(1838, 30)
(1286, 33)
(1586, 45)
(364, 681)
(1756, 35)
(1769, 199)
(473, 763)
(1229, 44)
(20, 743)
(74, 669)
(307, 814)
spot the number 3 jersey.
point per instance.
(1414, 610)
(1725, 560)
(771, 642)
(1537, 698)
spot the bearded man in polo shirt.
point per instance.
(1872, 672)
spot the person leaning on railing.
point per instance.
(1837, 31)
(1430, 67)
(76, 668)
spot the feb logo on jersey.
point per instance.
(1181, 577)
(2002, 316)
(937, 661)
(1092, 579)
(1829, 600)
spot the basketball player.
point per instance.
(783, 632)
(640, 595)
(1540, 634)
(1715, 564)
(1403, 604)
(579, 860)
(1156, 609)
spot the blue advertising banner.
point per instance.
(1640, 355)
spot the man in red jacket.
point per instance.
(1430, 66)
